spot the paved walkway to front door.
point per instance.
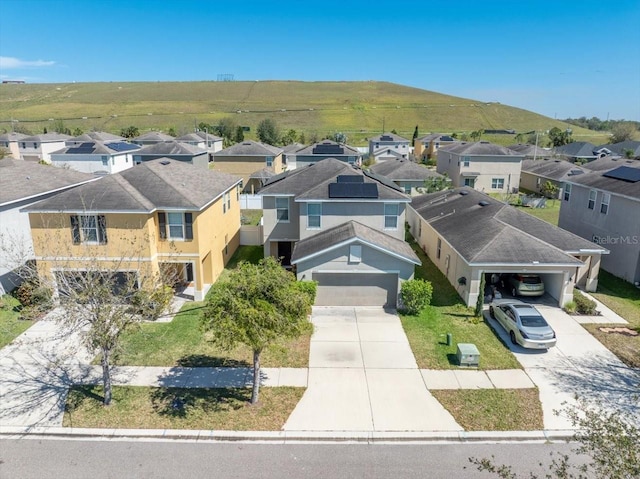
(363, 377)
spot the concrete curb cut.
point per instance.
(283, 437)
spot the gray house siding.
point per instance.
(275, 231)
(306, 160)
(336, 213)
(618, 230)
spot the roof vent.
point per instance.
(464, 192)
(165, 162)
(484, 203)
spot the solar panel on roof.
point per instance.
(350, 179)
(122, 146)
(323, 149)
(353, 190)
(82, 148)
(624, 173)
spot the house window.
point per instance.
(438, 248)
(89, 229)
(391, 216)
(592, 199)
(226, 202)
(465, 161)
(497, 183)
(24, 145)
(470, 182)
(352, 160)
(407, 189)
(226, 245)
(355, 253)
(175, 226)
(567, 191)
(35, 145)
(269, 160)
(419, 228)
(105, 161)
(314, 215)
(604, 205)
(237, 192)
(538, 181)
(282, 209)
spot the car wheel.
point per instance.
(512, 335)
(514, 292)
(491, 313)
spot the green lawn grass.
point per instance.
(550, 213)
(155, 408)
(251, 217)
(493, 409)
(11, 326)
(448, 314)
(623, 298)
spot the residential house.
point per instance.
(98, 135)
(481, 165)
(578, 151)
(163, 215)
(468, 234)
(289, 155)
(88, 155)
(152, 138)
(624, 149)
(609, 163)
(10, 142)
(22, 184)
(204, 141)
(427, 146)
(342, 228)
(531, 151)
(257, 180)
(174, 150)
(604, 207)
(327, 149)
(388, 146)
(406, 174)
(536, 173)
(245, 158)
(39, 147)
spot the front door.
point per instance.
(284, 252)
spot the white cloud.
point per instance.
(8, 63)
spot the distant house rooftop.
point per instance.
(250, 148)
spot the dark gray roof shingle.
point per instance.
(609, 163)
(553, 169)
(171, 148)
(340, 148)
(250, 148)
(403, 169)
(389, 137)
(530, 150)
(597, 180)
(154, 136)
(47, 137)
(349, 231)
(156, 184)
(577, 149)
(479, 148)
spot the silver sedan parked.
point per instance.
(524, 323)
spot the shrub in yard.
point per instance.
(583, 304)
(570, 307)
(152, 304)
(32, 294)
(309, 288)
(416, 294)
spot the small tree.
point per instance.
(302, 139)
(416, 295)
(549, 189)
(431, 185)
(268, 132)
(623, 131)
(256, 305)
(289, 137)
(480, 300)
(415, 135)
(559, 137)
(239, 138)
(130, 132)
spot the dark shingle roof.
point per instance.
(389, 137)
(398, 170)
(622, 147)
(530, 150)
(480, 148)
(250, 148)
(156, 136)
(263, 174)
(578, 149)
(171, 148)
(610, 162)
(497, 232)
(352, 230)
(97, 135)
(597, 180)
(156, 184)
(436, 136)
(199, 136)
(96, 147)
(343, 149)
(557, 170)
(47, 137)
(21, 179)
(12, 136)
(312, 182)
(293, 147)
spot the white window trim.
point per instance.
(497, 181)
(391, 228)
(278, 220)
(319, 215)
(169, 224)
(566, 195)
(591, 202)
(82, 229)
(604, 203)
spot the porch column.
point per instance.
(592, 275)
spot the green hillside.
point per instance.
(358, 109)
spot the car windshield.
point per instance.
(531, 280)
(533, 321)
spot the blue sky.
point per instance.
(561, 58)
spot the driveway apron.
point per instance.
(363, 377)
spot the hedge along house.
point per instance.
(160, 216)
(467, 234)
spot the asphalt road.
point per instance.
(98, 459)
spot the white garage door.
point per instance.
(356, 289)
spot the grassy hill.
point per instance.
(358, 109)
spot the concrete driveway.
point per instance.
(363, 377)
(578, 365)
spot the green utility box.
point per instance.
(468, 354)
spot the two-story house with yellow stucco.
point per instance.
(162, 215)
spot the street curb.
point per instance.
(283, 437)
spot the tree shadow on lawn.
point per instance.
(207, 361)
(179, 402)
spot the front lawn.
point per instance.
(448, 314)
(182, 342)
(493, 409)
(11, 326)
(623, 298)
(176, 408)
(550, 213)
